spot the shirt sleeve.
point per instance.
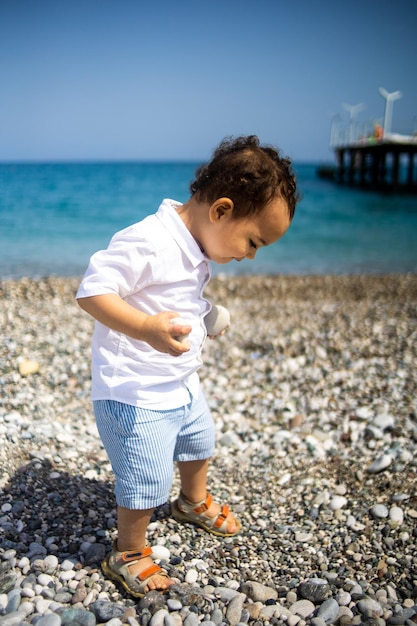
(125, 267)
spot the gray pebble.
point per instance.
(234, 609)
(77, 617)
(379, 511)
(370, 608)
(380, 464)
(158, 618)
(328, 611)
(216, 617)
(303, 608)
(191, 620)
(174, 604)
(105, 611)
(13, 600)
(50, 619)
(258, 592)
(314, 589)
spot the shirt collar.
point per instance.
(169, 217)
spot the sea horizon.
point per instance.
(55, 214)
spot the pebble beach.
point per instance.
(314, 394)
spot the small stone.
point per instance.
(191, 620)
(50, 619)
(234, 609)
(115, 621)
(274, 610)
(95, 553)
(7, 582)
(191, 576)
(380, 464)
(51, 562)
(28, 367)
(370, 608)
(379, 511)
(396, 516)
(343, 598)
(64, 597)
(258, 592)
(303, 608)
(161, 552)
(314, 589)
(328, 610)
(77, 617)
(14, 599)
(12, 619)
(337, 502)
(80, 593)
(174, 605)
(42, 605)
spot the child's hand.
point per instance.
(220, 334)
(163, 334)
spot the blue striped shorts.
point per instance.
(143, 444)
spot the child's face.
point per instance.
(234, 239)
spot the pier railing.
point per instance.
(373, 160)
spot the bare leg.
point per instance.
(132, 525)
(193, 475)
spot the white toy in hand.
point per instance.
(217, 320)
(180, 321)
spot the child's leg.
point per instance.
(137, 442)
(193, 475)
(132, 527)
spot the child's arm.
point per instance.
(112, 311)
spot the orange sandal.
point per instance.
(195, 513)
(116, 566)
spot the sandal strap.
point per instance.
(222, 516)
(130, 558)
(149, 571)
(127, 557)
(203, 506)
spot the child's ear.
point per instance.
(221, 209)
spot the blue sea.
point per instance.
(53, 217)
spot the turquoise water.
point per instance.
(53, 217)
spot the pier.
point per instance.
(385, 165)
(370, 156)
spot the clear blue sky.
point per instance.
(167, 79)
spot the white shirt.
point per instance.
(155, 265)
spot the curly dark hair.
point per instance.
(249, 174)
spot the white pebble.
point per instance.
(42, 605)
(44, 579)
(191, 576)
(337, 502)
(380, 464)
(396, 516)
(161, 552)
(67, 565)
(379, 511)
(51, 561)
